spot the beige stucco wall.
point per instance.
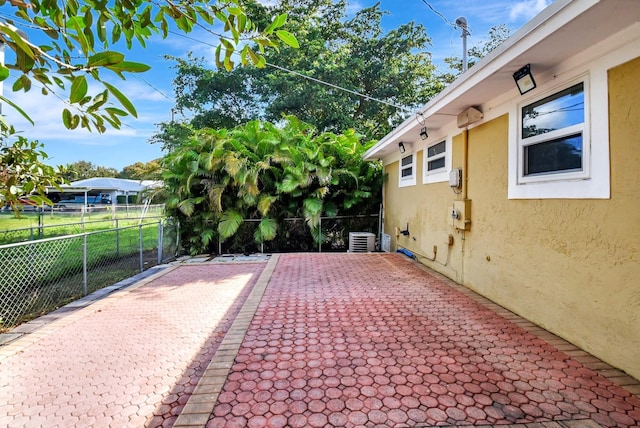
(571, 266)
(425, 209)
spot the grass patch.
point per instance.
(31, 226)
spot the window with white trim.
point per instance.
(436, 157)
(407, 170)
(553, 137)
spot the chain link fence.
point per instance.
(40, 230)
(39, 276)
(296, 236)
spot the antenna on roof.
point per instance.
(462, 23)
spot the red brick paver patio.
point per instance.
(335, 340)
(130, 360)
(373, 340)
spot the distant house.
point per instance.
(531, 199)
(101, 191)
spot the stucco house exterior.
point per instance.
(533, 199)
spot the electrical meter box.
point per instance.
(461, 214)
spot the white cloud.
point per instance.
(353, 7)
(527, 9)
(46, 112)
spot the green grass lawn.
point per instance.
(26, 227)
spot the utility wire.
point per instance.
(444, 18)
(153, 87)
(313, 79)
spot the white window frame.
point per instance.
(593, 181)
(440, 174)
(582, 128)
(409, 180)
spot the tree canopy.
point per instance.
(79, 47)
(385, 72)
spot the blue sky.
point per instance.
(152, 92)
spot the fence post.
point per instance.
(117, 239)
(320, 235)
(32, 262)
(160, 238)
(141, 251)
(177, 238)
(84, 263)
(40, 223)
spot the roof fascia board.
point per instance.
(541, 26)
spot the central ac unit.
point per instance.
(362, 242)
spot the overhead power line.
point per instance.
(304, 76)
(444, 18)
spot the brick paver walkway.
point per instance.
(318, 340)
(130, 360)
(367, 340)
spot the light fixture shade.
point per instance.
(423, 133)
(524, 79)
(401, 147)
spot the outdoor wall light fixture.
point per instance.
(524, 79)
(423, 133)
(401, 147)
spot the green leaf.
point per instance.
(66, 118)
(278, 22)
(288, 38)
(229, 224)
(18, 109)
(79, 89)
(267, 230)
(115, 111)
(103, 59)
(258, 61)
(264, 204)
(4, 72)
(130, 67)
(186, 207)
(123, 100)
(312, 205)
(17, 39)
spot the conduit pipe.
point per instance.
(465, 162)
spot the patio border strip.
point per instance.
(200, 405)
(616, 376)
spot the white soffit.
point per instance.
(560, 31)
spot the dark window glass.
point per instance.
(562, 154)
(435, 164)
(407, 160)
(406, 172)
(436, 149)
(560, 110)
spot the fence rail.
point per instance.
(40, 231)
(332, 235)
(38, 276)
